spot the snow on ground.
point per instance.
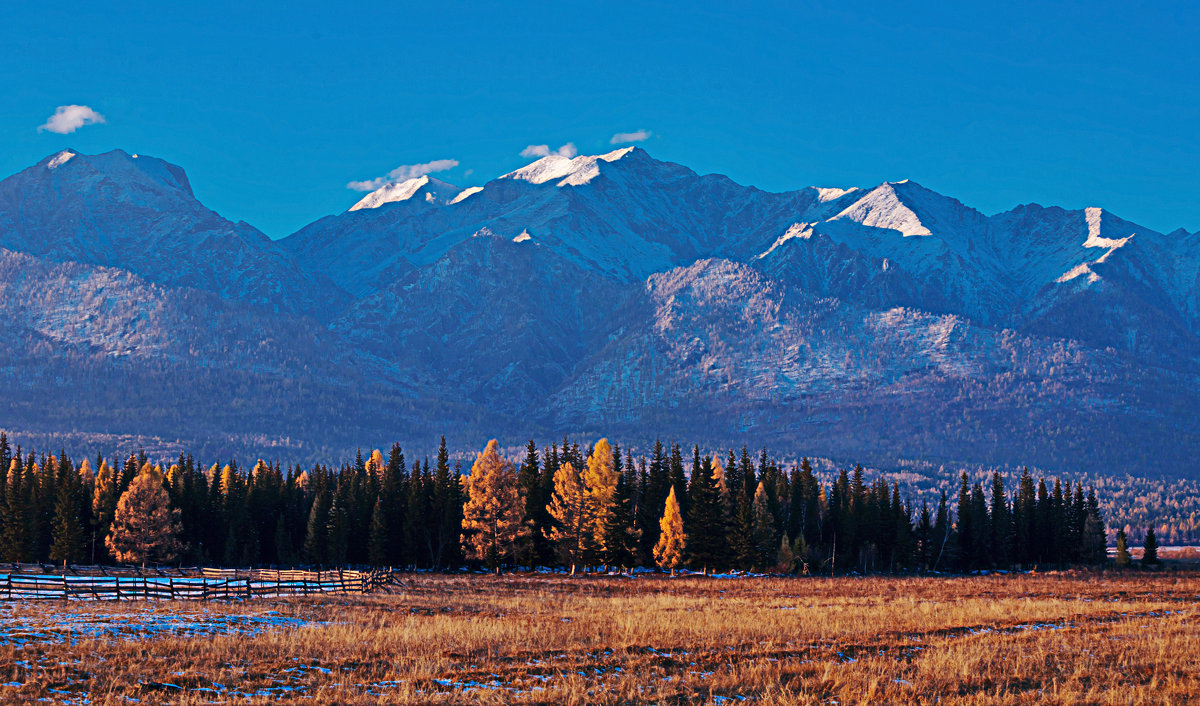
(135, 624)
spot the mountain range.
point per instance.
(613, 295)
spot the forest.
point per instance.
(559, 506)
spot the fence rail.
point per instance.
(33, 582)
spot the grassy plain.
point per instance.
(1017, 639)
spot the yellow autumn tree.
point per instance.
(492, 514)
(145, 526)
(601, 482)
(573, 511)
(672, 542)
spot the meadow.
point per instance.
(1105, 638)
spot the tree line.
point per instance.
(561, 505)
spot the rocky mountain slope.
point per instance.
(611, 294)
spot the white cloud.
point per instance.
(635, 136)
(404, 172)
(567, 150)
(69, 118)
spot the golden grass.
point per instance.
(1055, 638)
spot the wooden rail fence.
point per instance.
(31, 582)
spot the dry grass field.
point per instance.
(1047, 638)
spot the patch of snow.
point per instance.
(796, 230)
(60, 159)
(465, 193)
(825, 195)
(1094, 217)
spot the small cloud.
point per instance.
(567, 150)
(635, 136)
(403, 173)
(69, 118)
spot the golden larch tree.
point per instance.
(672, 542)
(145, 526)
(601, 482)
(573, 510)
(492, 514)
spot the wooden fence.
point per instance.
(104, 583)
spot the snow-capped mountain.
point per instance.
(424, 188)
(611, 294)
(138, 213)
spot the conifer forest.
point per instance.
(559, 506)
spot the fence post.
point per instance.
(117, 579)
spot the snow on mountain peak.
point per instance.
(436, 191)
(60, 159)
(882, 207)
(796, 230)
(465, 193)
(1095, 217)
(825, 195)
(567, 171)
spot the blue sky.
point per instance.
(273, 108)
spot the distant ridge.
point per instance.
(608, 294)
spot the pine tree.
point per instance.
(618, 533)
(705, 517)
(1093, 536)
(762, 529)
(573, 513)
(534, 515)
(378, 549)
(1150, 550)
(145, 527)
(672, 542)
(1123, 559)
(316, 534)
(14, 542)
(491, 518)
(67, 537)
(653, 495)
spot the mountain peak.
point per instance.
(567, 171)
(435, 191)
(883, 207)
(56, 161)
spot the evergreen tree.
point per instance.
(15, 540)
(618, 533)
(672, 542)
(67, 539)
(1093, 536)
(762, 529)
(316, 540)
(678, 480)
(378, 549)
(492, 514)
(705, 517)
(534, 516)
(654, 494)
(1150, 549)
